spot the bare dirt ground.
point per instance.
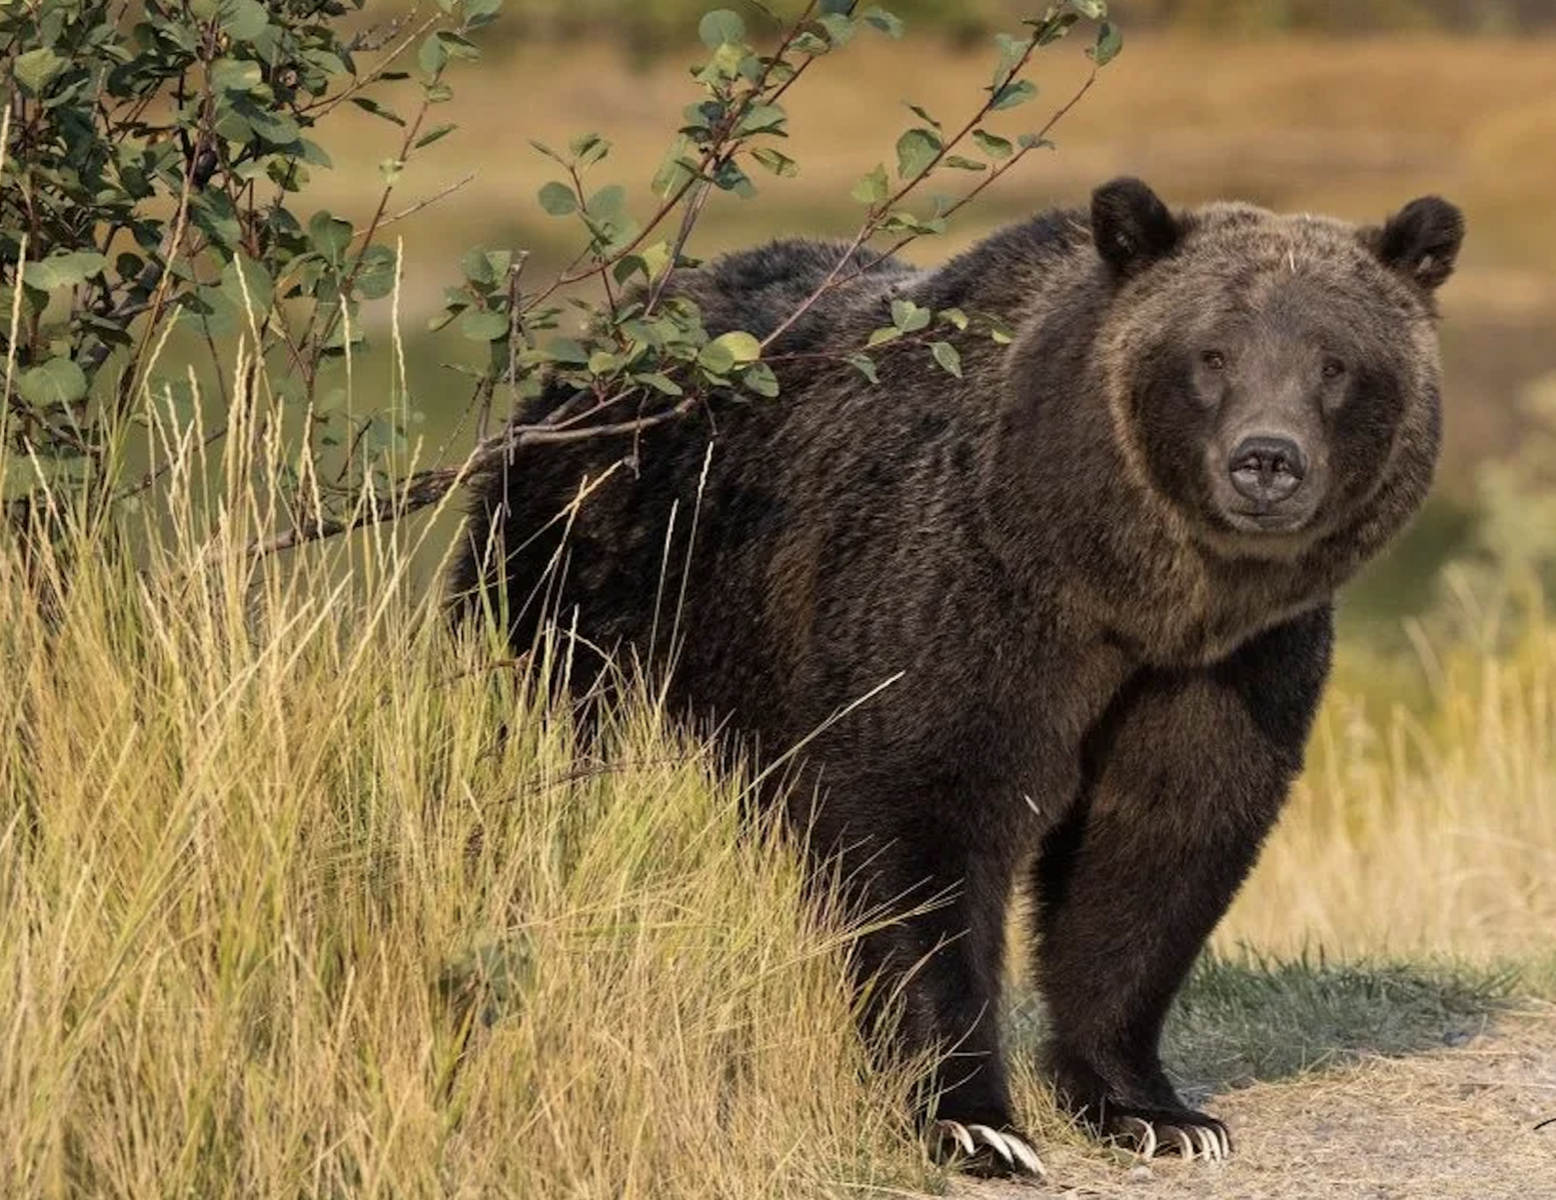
(1459, 1122)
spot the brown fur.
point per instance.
(1105, 661)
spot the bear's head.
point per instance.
(1271, 376)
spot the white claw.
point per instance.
(1026, 1156)
(958, 1134)
(1226, 1143)
(1185, 1144)
(995, 1140)
(1209, 1144)
(1147, 1136)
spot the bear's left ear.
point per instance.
(1421, 241)
(1130, 225)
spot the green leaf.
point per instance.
(456, 46)
(607, 203)
(965, 164)
(778, 163)
(243, 20)
(865, 365)
(1009, 95)
(923, 115)
(759, 378)
(255, 283)
(999, 331)
(589, 148)
(721, 28)
(438, 321)
(62, 270)
(1031, 141)
(431, 56)
(312, 152)
(235, 75)
(916, 149)
(888, 23)
(742, 347)
(992, 144)
(558, 199)
(762, 118)
(567, 352)
(730, 178)
(909, 317)
(946, 355)
(433, 135)
(1092, 9)
(478, 267)
(886, 333)
(1053, 26)
(840, 28)
(57, 382)
(952, 316)
(1012, 51)
(1109, 42)
(36, 69)
(659, 382)
(873, 188)
(675, 169)
(376, 272)
(481, 326)
(716, 357)
(329, 236)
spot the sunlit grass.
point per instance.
(283, 914)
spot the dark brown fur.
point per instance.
(1103, 675)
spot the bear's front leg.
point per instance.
(1186, 774)
(932, 896)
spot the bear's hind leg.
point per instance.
(1187, 774)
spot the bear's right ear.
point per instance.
(1421, 241)
(1130, 225)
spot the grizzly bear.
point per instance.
(1058, 626)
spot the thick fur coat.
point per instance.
(1086, 589)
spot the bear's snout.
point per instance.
(1266, 468)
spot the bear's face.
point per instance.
(1268, 374)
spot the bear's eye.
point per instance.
(1333, 368)
(1213, 359)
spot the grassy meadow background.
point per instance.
(281, 915)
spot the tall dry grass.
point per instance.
(281, 914)
(1428, 830)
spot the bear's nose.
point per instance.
(1267, 469)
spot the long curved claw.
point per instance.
(1008, 1152)
(957, 1133)
(1144, 1134)
(1026, 1156)
(994, 1140)
(1155, 1134)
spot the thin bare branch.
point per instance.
(426, 488)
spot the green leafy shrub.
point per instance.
(155, 170)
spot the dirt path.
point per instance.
(1450, 1124)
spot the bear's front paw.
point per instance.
(1156, 1131)
(983, 1150)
